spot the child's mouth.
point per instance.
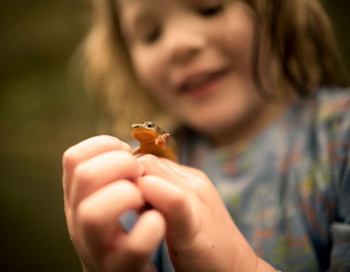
(202, 84)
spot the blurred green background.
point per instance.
(43, 111)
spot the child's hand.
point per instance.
(201, 235)
(98, 189)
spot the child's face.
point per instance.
(195, 57)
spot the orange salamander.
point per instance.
(153, 140)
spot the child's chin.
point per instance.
(212, 125)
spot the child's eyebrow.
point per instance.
(134, 7)
(144, 3)
(139, 10)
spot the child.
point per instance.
(252, 91)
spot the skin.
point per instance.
(195, 58)
(102, 180)
(202, 74)
(98, 188)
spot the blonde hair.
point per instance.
(294, 31)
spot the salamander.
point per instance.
(153, 140)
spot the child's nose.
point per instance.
(184, 43)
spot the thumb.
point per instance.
(173, 202)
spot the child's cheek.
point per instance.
(152, 74)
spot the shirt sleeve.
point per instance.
(340, 231)
(340, 254)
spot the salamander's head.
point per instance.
(145, 132)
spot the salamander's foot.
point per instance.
(161, 138)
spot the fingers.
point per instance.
(153, 165)
(86, 150)
(176, 191)
(90, 148)
(98, 185)
(141, 242)
(96, 216)
(181, 175)
(105, 243)
(100, 171)
(172, 201)
(92, 164)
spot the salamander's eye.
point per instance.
(149, 125)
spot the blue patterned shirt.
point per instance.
(288, 190)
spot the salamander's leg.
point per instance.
(137, 150)
(161, 138)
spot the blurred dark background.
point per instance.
(43, 111)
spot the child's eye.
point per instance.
(211, 10)
(151, 35)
